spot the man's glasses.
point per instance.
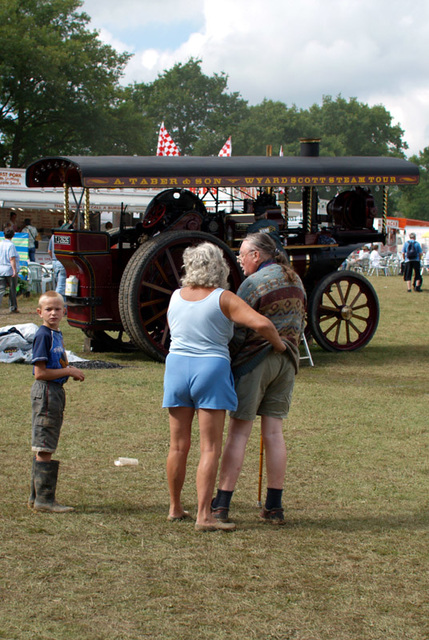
(241, 256)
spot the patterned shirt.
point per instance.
(269, 292)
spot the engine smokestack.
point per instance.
(309, 147)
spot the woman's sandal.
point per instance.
(185, 516)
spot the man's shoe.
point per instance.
(274, 516)
(221, 514)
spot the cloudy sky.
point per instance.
(295, 51)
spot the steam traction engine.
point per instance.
(126, 276)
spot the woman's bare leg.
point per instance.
(211, 424)
(180, 442)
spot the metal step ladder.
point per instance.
(307, 351)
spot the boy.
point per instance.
(51, 371)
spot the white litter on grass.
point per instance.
(72, 357)
(16, 344)
(122, 462)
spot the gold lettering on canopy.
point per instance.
(252, 181)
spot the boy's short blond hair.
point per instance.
(49, 295)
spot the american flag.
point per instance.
(166, 144)
(226, 150)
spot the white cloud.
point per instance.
(135, 13)
(108, 37)
(374, 50)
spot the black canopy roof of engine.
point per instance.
(237, 171)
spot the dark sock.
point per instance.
(223, 499)
(274, 499)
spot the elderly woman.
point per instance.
(198, 374)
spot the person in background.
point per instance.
(426, 261)
(9, 266)
(363, 253)
(59, 269)
(264, 379)
(363, 259)
(13, 221)
(374, 257)
(412, 254)
(198, 375)
(263, 225)
(51, 371)
(32, 239)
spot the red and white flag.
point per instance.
(166, 145)
(226, 151)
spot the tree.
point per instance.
(58, 82)
(413, 202)
(353, 128)
(344, 127)
(269, 123)
(197, 110)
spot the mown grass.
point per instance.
(351, 563)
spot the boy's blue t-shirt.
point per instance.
(48, 346)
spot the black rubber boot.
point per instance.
(32, 488)
(45, 482)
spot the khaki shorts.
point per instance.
(48, 400)
(267, 390)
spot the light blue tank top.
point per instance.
(199, 328)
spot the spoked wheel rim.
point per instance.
(343, 312)
(155, 215)
(151, 276)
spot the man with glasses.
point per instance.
(264, 380)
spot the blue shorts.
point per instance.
(201, 383)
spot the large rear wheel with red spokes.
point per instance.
(150, 277)
(343, 311)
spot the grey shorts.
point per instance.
(267, 390)
(48, 400)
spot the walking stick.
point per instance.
(261, 461)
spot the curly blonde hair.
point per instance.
(205, 266)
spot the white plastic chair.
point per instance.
(34, 277)
(378, 266)
(393, 265)
(48, 278)
(362, 265)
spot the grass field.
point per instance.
(351, 563)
